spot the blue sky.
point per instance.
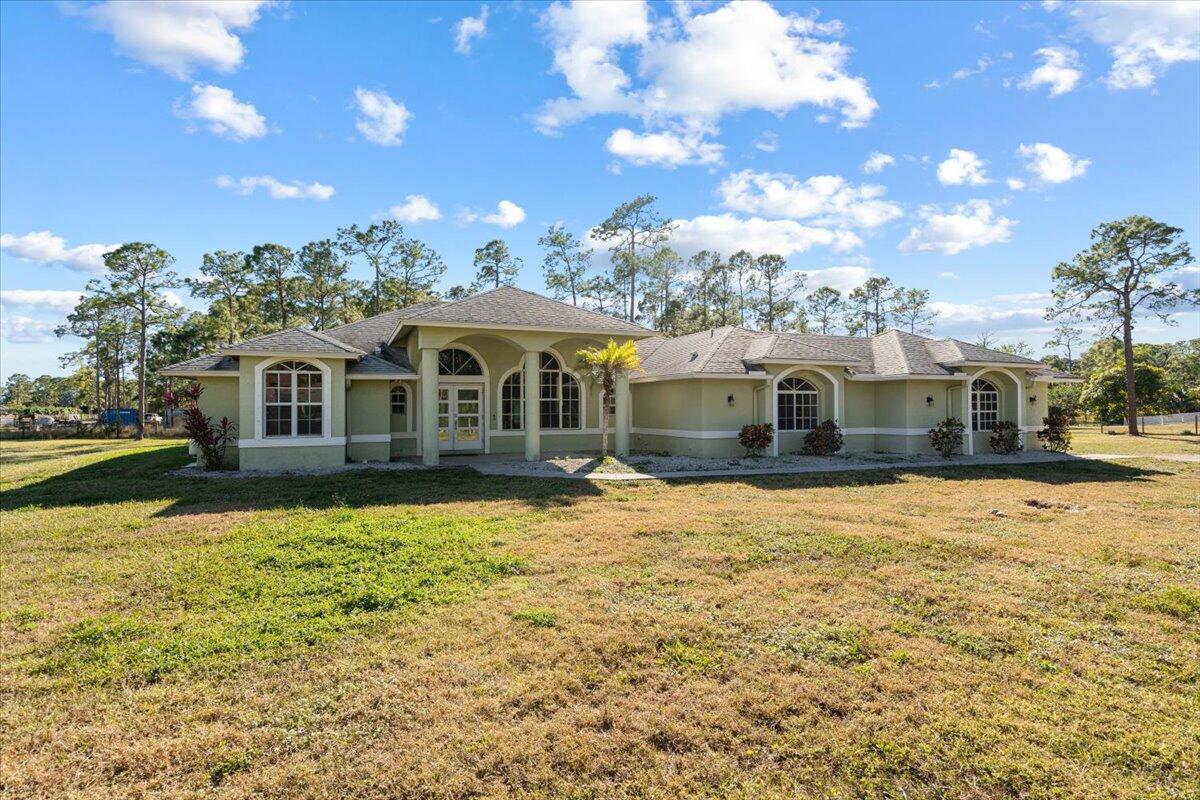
(1009, 130)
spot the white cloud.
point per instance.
(663, 149)
(470, 28)
(416, 208)
(295, 190)
(826, 199)
(1014, 313)
(970, 224)
(981, 66)
(876, 162)
(225, 115)
(508, 215)
(844, 279)
(1052, 164)
(1143, 38)
(727, 234)
(44, 247)
(26, 330)
(962, 166)
(767, 141)
(1015, 184)
(697, 68)
(950, 276)
(381, 119)
(177, 37)
(62, 300)
(1059, 70)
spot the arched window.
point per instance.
(985, 405)
(293, 399)
(399, 400)
(457, 362)
(558, 397)
(798, 405)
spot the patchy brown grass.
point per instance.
(861, 635)
(1176, 439)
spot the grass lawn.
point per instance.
(992, 632)
(1115, 441)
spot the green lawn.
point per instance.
(994, 632)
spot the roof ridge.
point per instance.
(820, 347)
(728, 329)
(576, 308)
(330, 340)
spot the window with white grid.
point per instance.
(798, 405)
(292, 399)
(985, 405)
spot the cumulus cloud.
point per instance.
(277, 189)
(825, 199)
(727, 233)
(876, 162)
(19, 329)
(469, 29)
(1052, 164)
(1059, 70)
(967, 225)
(1144, 39)
(178, 37)
(961, 167)
(62, 300)
(663, 149)
(1015, 184)
(416, 208)
(844, 279)
(380, 118)
(225, 115)
(508, 215)
(1022, 312)
(699, 67)
(43, 247)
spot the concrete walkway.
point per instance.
(545, 469)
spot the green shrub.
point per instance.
(823, 440)
(537, 617)
(947, 436)
(1005, 438)
(1056, 436)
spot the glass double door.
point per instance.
(460, 417)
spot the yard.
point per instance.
(972, 633)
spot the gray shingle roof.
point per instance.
(213, 362)
(737, 351)
(509, 306)
(298, 340)
(372, 364)
(367, 334)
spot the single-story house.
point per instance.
(452, 377)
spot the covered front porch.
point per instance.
(470, 396)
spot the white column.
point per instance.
(429, 406)
(533, 416)
(1021, 412)
(623, 415)
(967, 417)
(773, 414)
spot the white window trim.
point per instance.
(260, 401)
(975, 395)
(408, 400)
(815, 392)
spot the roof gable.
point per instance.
(294, 340)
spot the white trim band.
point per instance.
(369, 438)
(294, 441)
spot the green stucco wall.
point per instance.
(218, 399)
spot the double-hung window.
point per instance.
(985, 405)
(798, 405)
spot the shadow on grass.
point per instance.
(147, 476)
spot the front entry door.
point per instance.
(460, 417)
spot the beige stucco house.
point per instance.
(452, 377)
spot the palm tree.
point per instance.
(606, 364)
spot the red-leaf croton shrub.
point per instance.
(947, 436)
(1056, 436)
(212, 440)
(756, 438)
(1005, 438)
(823, 440)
